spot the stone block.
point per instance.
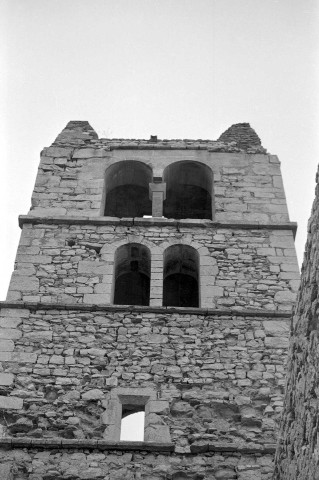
(94, 394)
(93, 298)
(24, 357)
(95, 268)
(6, 346)
(39, 335)
(156, 338)
(103, 287)
(35, 259)
(48, 212)
(157, 433)
(9, 322)
(57, 152)
(160, 407)
(6, 379)
(277, 342)
(10, 334)
(276, 327)
(5, 356)
(289, 267)
(285, 296)
(11, 403)
(282, 241)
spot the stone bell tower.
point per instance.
(152, 276)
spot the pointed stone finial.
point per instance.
(241, 133)
(76, 132)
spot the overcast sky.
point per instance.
(171, 68)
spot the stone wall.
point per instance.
(210, 379)
(246, 268)
(221, 377)
(298, 450)
(71, 177)
(81, 464)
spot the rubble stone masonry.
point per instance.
(298, 450)
(210, 378)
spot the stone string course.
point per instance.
(298, 449)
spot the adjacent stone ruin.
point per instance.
(297, 455)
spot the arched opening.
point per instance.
(189, 190)
(132, 275)
(127, 190)
(132, 423)
(181, 277)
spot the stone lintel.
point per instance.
(64, 220)
(230, 312)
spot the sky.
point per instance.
(171, 68)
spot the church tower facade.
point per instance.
(153, 276)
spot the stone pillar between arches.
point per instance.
(157, 195)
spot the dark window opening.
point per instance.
(127, 190)
(181, 278)
(189, 190)
(132, 275)
(132, 423)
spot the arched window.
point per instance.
(127, 190)
(132, 275)
(181, 277)
(189, 190)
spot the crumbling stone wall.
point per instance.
(71, 176)
(298, 450)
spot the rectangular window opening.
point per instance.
(132, 423)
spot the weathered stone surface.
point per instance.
(39, 335)
(10, 333)
(6, 378)
(11, 403)
(297, 453)
(93, 395)
(210, 381)
(6, 346)
(26, 284)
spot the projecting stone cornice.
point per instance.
(53, 443)
(158, 222)
(262, 313)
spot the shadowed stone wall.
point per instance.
(298, 450)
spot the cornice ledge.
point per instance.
(160, 222)
(137, 309)
(91, 444)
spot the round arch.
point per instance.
(132, 274)
(189, 190)
(181, 276)
(127, 189)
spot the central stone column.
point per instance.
(157, 195)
